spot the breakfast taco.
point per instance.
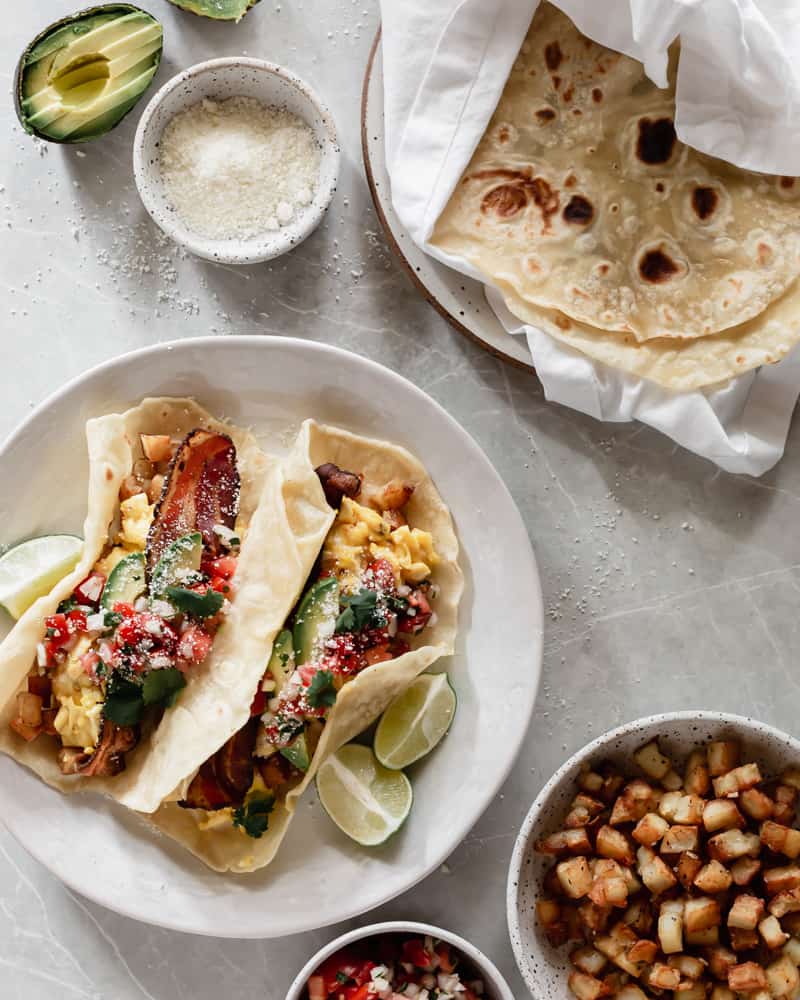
(113, 680)
(378, 608)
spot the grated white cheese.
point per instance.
(237, 168)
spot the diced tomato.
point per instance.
(224, 567)
(307, 674)
(124, 609)
(380, 576)
(89, 590)
(416, 622)
(259, 705)
(60, 628)
(76, 621)
(378, 654)
(89, 662)
(194, 645)
(357, 992)
(414, 952)
(222, 586)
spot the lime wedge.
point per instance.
(31, 569)
(415, 721)
(364, 799)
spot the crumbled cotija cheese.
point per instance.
(236, 168)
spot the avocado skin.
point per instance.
(191, 6)
(107, 8)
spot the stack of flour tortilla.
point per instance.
(600, 227)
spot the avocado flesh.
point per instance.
(220, 10)
(80, 79)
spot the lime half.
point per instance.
(31, 569)
(364, 799)
(415, 721)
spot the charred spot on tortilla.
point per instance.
(505, 201)
(556, 82)
(568, 94)
(337, 483)
(704, 202)
(660, 187)
(562, 321)
(597, 95)
(553, 56)
(656, 140)
(545, 198)
(787, 183)
(570, 181)
(578, 210)
(657, 267)
(545, 115)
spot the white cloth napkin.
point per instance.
(738, 97)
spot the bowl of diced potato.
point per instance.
(663, 859)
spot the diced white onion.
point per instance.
(41, 655)
(96, 623)
(140, 604)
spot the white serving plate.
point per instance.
(320, 876)
(458, 298)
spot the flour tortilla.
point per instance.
(680, 365)
(580, 199)
(212, 697)
(364, 698)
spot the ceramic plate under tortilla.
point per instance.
(320, 877)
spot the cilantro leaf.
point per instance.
(191, 603)
(68, 604)
(124, 702)
(253, 816)
(321, 692)
(161, 687)
(360, 611)
(342, 978)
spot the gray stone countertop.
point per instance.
(667, 583)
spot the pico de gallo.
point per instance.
(131, 633)
(396, 967)
(368, 601)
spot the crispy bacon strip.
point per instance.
(108, 757)
(225, 778)
(201, 490)
(337, 484)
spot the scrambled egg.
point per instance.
(360, 535)
(136, 516)
(81, 701)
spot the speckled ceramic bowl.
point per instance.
(219, 79)
(544, 968)
(496, 988)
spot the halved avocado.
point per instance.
(219, 10)
(80, 77)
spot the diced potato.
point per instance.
(650, 829)
(575, 877)
(687, 990)
(583, 810)
(616, 949)
(668, 805)
(652, 761)
(723, 755)
(700, 913)
(587, 987)
(662, 977)
(791, 777)
(548, 911)
(756, 804)
(746, 977)
(746, 912)
(792, 949)
(742, 940)
(720, 962)
(697, 780)
(612, 843)
(687, 965)
(635, 801)
(781, 879)
(679, 839)
(688, 868)
(721, 814)
(713, 877)
(609, 891)
(565, 842)
(707, 938)
(653, 872)
(593, 917)
(643, 952)
(689, 810)
(785, 902)
(156, 447)
(588, 960)
(29, 709)
(730, 785)
(781, 839)
(771, 931)
(639, 917)
(672, 781)
(783, 813)
(612, 783)
(721, 993)
(732, 844)
(670, 927)
(590, 782)
(630, 991)
(745, 870)
(782, 977)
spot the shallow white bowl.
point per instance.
(496, 988)
(218, 79)
(544, 968)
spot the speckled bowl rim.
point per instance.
(500, 990)
(276, 247)
(595, 749)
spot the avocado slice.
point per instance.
(315, 618)
(80, 77)
(297, 753)
(180, 557)
(125, 581)
(281, 662)
(219, 10)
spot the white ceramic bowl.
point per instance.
(543, 967)
(219, 79)
(496, 988)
